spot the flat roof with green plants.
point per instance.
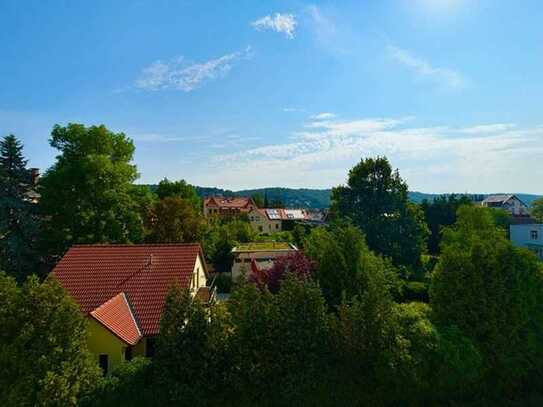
(263, 247)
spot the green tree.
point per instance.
(433, 364)
(43, 346)
(439, 213)
(375, 199)
(179, 189)
(345, 264)
(279, 342)
(174, 220)
(492, 292)
(19, 221)
(191, 349)
(536, 210)
(85, 195)
(258, 199)
(221, 237)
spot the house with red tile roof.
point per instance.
(231, 206)
(122, 290)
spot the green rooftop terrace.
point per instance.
(262, 247)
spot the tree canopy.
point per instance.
(179, 189)
(376, 200)
(174, 220)
(492, 292)
(43, 346)
(536, 210)
(85, 195)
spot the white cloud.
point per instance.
(183, 75)
(444, 76)
(281, 23)
(293, 109)
(489, 128)
(479, 158)
(323, 116)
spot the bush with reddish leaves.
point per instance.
(295, 263)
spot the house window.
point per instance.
(198, 277)
(128, 353)
(260, 229)
(103, 363)
(534, 235)
(150, 347)
(277, 226)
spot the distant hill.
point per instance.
(319, 198)
(293, 198)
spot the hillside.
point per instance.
(320, 198)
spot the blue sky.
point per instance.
(243, 94)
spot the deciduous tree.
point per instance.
(43, 346)
(375, 199)
(86, 193)
(174, 220)
(537, 210)
(492, 292)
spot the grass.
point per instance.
(262, 246)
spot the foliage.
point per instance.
(130, 384)
(179, 189)
(492, 292)
(221, 237)
(295, 263)
(258, 199)
(376, 200)
(191, 349)
(43, 352)
(439, 213)
(85, 195)
(174, 220)
(437, 362)
(536, 210)
(19, 221)
(279, 341)
(344, 264)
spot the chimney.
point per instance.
(34, 175)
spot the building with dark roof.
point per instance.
(508, 202)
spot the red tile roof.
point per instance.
(93, 274)
(116, 315)
(229, 203)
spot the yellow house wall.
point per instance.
(102, 341)
(198, 276)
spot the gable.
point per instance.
(144, 273)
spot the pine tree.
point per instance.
(18, 219)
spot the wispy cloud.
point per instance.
(479, 158)
(281, 23)
(444, 76)
(323, 116)
(164, 138)
(293, 109)
(183, 75)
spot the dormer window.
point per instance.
(534, 235)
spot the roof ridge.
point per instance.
(132, 313)
(135, 244)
